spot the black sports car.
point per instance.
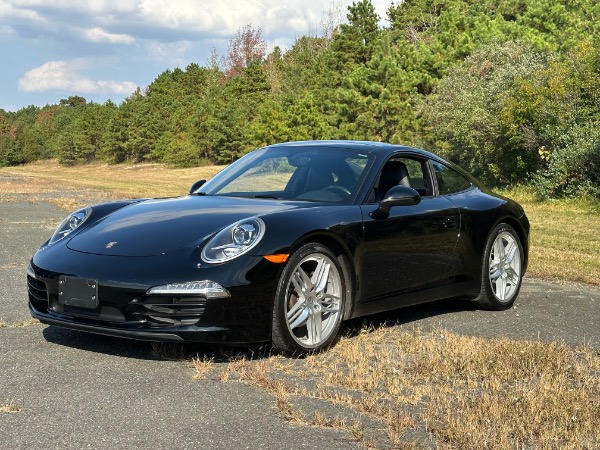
(282, 246)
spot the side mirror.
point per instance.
(197, 185)
(396, 196)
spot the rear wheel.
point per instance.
(309, 302)
(502, 268)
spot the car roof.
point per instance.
(377, 148)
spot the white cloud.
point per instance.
(97, 34)
(224, 18)
(129, 21)
(15, 9)
(209, 16)
(219, 17)
(64, 76)
(88, 6)
(173, 54)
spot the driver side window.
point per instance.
(406, 171)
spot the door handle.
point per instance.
(450, 222)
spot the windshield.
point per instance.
(321, 174)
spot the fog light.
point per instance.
(207, 288)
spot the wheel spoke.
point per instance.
(294, 311)
(498, 250)
(299, 286)
(315, 327)
(300, 319)
(302, 281)
(501, 288)
(494, 271)
(329, 307)
(513, 276)
(503, 246)
(320, 277)
(511, 250)
(330, 302)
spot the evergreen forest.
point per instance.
(508, 89)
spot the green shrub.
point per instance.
(574, 169)
(468, 120)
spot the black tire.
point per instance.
(502, 269)
(309, 307)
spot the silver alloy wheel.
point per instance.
(505, 266)
(313, 299)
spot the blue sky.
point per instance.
(104, 49)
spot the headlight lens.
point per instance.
(234, 240)
(70, 224)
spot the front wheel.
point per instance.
(502, 268)
(309, 302)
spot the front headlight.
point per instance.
(234, 240)
(70, 224)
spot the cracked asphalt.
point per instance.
(76, 390)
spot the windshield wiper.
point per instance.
(266, 196)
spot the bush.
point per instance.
(574, 169)
(468, 120)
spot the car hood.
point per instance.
(155, 227)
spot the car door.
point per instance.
(410, 255)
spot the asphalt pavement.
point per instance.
(76, 390)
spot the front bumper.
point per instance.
(130, 312)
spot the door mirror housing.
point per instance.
(197, 185)
(396, 196)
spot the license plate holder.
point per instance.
(79, 292)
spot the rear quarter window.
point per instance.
(449, 180)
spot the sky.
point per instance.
(105, 49)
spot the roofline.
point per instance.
(376, 147)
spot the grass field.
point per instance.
(120, 181)
(466, 392)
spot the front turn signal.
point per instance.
(277, 259)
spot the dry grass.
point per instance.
(25, 323)
(202, 366)
(34, 190)
(9, 407)
(469, 393)
(123, 180)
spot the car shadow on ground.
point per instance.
(144, 350)
(407, 315)
(97, 343)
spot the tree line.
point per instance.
(509, 89)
